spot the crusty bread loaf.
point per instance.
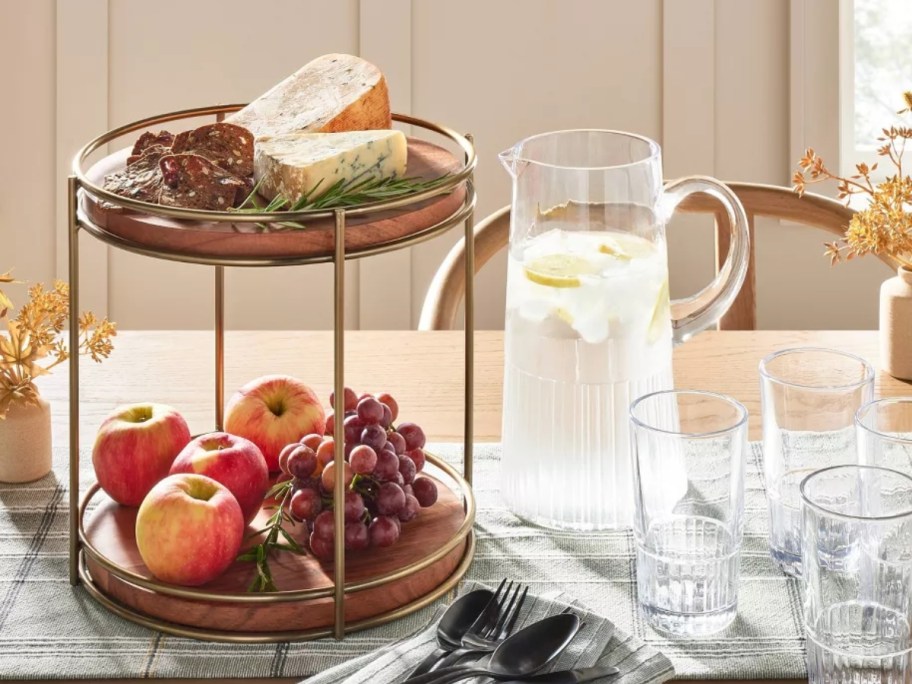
(332, 93)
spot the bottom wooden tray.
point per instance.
(109, 530)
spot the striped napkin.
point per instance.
(597, 643)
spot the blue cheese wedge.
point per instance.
(295, 164)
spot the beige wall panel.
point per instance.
(27, 117)
(82, 114)
(506, 70)
(752, 130)
(688, 140)
(799, 290)
(173, 54)
(385, 281)
(806, 291)
(735, 88)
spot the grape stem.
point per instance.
(277, 539)
(364, 485)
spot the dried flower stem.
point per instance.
(884, 227)
(32, 345)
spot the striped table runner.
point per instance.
(50, 630)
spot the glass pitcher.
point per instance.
(589, 325)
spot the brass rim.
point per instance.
(460, 215)
(175, 629)
(461, 534)
(232, 217)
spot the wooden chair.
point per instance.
(491, 235)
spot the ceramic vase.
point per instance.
(25, 442)
(896, 325)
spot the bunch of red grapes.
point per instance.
(382, 485)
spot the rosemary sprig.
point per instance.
(343, 193)
(277, 539)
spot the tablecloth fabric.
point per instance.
(49, 629)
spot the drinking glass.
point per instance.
(884, 432)
(809, 397)
(857, 559)
(689, 450)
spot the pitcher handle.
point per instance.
(709, 305)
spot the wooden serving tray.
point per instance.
(110, 529)
(222, 240)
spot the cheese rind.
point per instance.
(294, 165)
(332, 93)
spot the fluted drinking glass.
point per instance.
(884, 432)
(809, 397)
(857, 562)
(689, 453)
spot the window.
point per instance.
(875, 55)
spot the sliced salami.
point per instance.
(195, 182)
(147, 139)
(228, 145)
(142, 179)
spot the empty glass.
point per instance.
(689, 451)
(884, 431)
(809, 397)
(857, 560)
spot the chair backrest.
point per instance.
(492, 234)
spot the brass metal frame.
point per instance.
(272, 637)
(81, 548)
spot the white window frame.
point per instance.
(849, 153)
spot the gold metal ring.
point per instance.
(149, 208)
(149, 622)
(460, 215)
(284, 596)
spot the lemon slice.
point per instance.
(632, 246)
(558, 270)
(660, 313)
(564, 315)
(612, 248)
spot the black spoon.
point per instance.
(520, 655)
(453, 625)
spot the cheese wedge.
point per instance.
(334, 92)
(295, 164)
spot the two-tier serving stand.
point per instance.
(222, 239)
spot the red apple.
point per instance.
(134, 449)
(189, 529)
(232, 461)
(272, 412)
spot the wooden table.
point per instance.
(422, 369)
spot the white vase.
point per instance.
(896, 325)
(25, 442)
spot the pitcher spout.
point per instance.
(512, 160)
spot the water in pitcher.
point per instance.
(588, 331)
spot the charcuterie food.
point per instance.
(329, 94)
(147, 140)
(228, 145)
(192, 181)
(325, 125)
(142, 178)
(300, 163)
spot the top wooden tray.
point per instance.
(231, 239)
(222, 241)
